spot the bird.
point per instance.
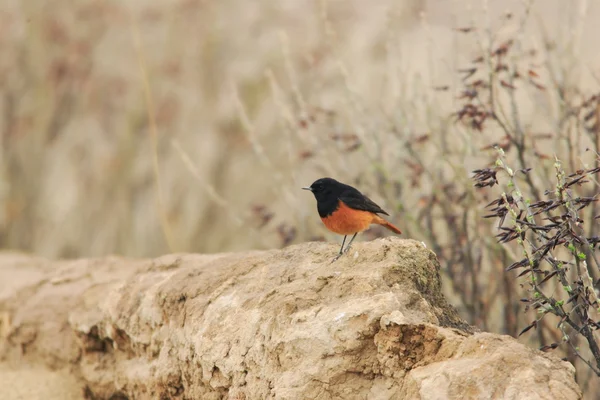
(346, 211)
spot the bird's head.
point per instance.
(324, 187)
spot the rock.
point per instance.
(281, 324)
(37, 382)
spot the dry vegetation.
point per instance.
(191, 126)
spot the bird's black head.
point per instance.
(326, 191)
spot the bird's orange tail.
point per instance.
(380, 221)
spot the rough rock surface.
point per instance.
(281, 324)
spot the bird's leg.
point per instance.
(350, 243)
(341, 248)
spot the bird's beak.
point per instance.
(307, 188)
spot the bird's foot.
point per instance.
(336, 257)
(347, 249)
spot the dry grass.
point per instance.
(191, 125)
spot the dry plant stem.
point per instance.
(516, 136)
(589, 282)
(594, 209)
(250, 131)
(287, 58)
(166, 228)
(582, 270)
(217, 198)
(511, 323)
(288, 117)
(556, 307)
(211, 191)
(574, 215)
(595, 369)
(520, 143)
(470, 299)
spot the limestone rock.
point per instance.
(280, 324)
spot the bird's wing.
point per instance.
(355, 199)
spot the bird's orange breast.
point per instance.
(348, 221)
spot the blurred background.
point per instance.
(142, 128)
